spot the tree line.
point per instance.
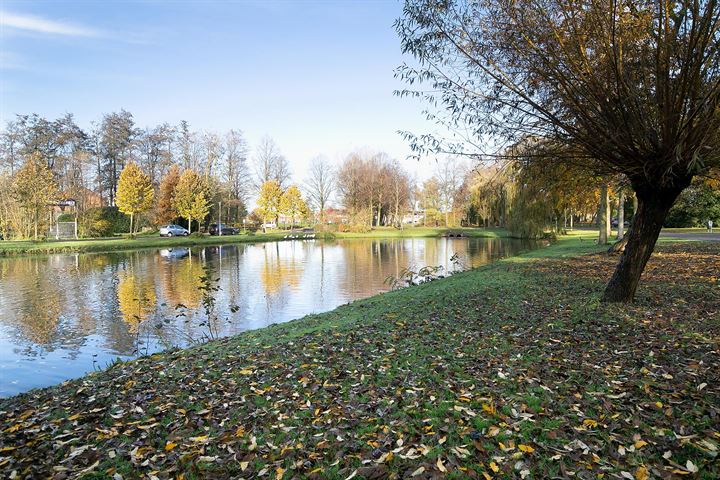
(155, 176)
(158, 174)
(86, 165)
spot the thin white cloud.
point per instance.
(31, 23)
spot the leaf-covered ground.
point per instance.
(510, 371)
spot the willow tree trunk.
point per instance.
(653, 206)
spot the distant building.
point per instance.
(413, 218)
(336, 215)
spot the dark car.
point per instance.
(614, 222)
(225, 229)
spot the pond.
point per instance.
(64, 315)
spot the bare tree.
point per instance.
(373, 185)
(213, 151)
(350, 178)
(400, 191)
(320, 184)
(270, 164)
(235, 172)
(10, 146)
(450, 173)
(622, 87)
(154, 147)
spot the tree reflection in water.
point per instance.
(73, 311)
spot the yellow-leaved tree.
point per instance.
(34, 188)
(191, 198)
(269, 201)
(135, 192)
(292, 204)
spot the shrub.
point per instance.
(695, 206)
(354, 228)
(327, 228)
(102, 222)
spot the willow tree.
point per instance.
(632, 87)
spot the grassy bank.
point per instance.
(390, 232)
(28, 247)
(512, 370)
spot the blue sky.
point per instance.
(316, 75)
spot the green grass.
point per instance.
(686, 230)
(29, 247)
(390, 232)
(514, 366)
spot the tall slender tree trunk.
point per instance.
(653, 205)
(604, 215)
(113, 186)
(131, 224)
(397, 212)
(621, 216)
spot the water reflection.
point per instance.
(63, 315)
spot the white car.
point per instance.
(269, 225)
(173, 231)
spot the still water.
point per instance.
(64, 315)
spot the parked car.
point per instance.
(173, 231)
(173, 253)
(614, 222)
(225, 229)
(269, 225)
